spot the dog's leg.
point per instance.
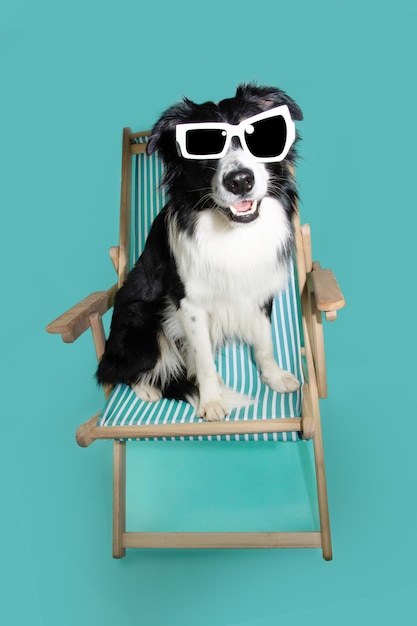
(196, 329)
(278, 379)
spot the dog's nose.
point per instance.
(239, 182)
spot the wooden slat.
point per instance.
(83, 434)
(99, 337)
(327, 292)
(141, 133)
(125, 207)
(119, 498)
(196, 429)
(306, 238)
(317, 338)
(318, 451)
(71, 324)
(222, 540)
(307, 411)
(300, 256)
(114, 255)
(138, 148)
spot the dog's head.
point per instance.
(229, 155)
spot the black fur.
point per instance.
(132, 346)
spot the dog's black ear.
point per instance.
(164, 128)
(269, 97)
(282, 98)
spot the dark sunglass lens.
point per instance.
(205, 141)
(268, 137)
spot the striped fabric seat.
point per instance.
(234, 361)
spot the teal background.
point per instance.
(72, 75)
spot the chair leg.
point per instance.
(119, 498)
(318, 450)
(326, 540)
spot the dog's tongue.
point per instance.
(242, 207)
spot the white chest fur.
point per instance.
(227, 262)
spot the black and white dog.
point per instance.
(215, 255)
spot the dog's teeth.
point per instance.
(236, 211)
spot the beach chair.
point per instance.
(282, 419)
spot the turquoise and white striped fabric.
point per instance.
(234, 362)
(149, 198)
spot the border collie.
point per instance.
(216, 254)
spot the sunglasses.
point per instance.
(267, 136)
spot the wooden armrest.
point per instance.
(327, 292)
(71, 324)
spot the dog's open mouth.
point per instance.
(245, 211)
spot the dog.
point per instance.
(216, 254)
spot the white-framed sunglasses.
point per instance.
(267, 136)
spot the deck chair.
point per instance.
(312, 293)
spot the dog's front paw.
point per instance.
(282, 381)
(147, 392)
(211, 411)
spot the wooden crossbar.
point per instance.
(89, 431)
(138, 148)
(222, 540)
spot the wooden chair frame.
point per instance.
(319, 293)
